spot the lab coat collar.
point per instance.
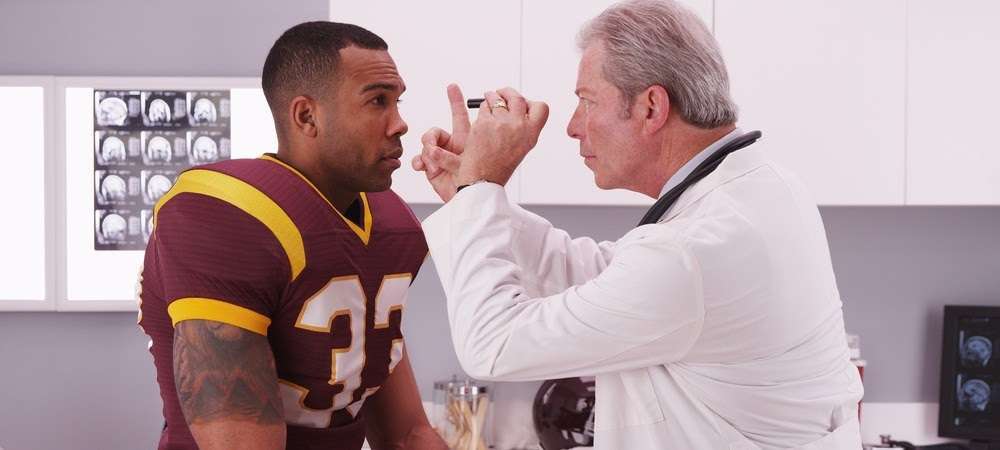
(693, 163)
(734, 166)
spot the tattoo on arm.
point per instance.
(224, 372)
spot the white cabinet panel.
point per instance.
(554, 173)
(953, 92)
(23, 110)
(434, 43)
(824, 81)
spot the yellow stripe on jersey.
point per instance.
(218, 311)
(249, 199)
(366, 233)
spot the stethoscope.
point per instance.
(706, 167)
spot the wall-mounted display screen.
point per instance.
(970, 373)
(22, 188)
(142, 140)
(124, 142)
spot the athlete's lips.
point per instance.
(395, 154)
(391, 160)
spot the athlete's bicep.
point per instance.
(227, 386)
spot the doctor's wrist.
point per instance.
(468, 176)
(463, 186)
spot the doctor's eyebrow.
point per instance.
(383, 86)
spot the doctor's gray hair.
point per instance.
(660, 42)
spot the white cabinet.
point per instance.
(554, 173)
(953, 157)
(25, 106)
(436, 42)
(824, 81)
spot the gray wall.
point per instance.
(76, 381)
(118, 37)
(85, 380)
(896, 268)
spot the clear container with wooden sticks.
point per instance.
(439, 412)
(466, 416)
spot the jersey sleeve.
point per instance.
(218, 259)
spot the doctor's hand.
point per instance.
(439, 158)
(507, 128)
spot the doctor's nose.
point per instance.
(575, 128)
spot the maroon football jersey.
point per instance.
(252, 243)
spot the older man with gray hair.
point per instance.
(714, 324)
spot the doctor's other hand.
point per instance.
(506, 128)
(441, 168)
(439, 158)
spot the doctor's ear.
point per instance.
(654, 103)
(302, 116)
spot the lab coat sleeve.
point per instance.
(643, 309)
(550, 260)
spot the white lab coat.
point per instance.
(720, 327)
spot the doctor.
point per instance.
(716, 323)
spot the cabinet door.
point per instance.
(554, 173)
(474, 43)
(824, 81)
(952, 93)
(24, 107)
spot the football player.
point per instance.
(273, 288)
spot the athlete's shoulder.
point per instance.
(230, 165)
(214, 200)
(254, 171)
(232, 182)
(389, 209)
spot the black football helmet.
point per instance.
(563, 413)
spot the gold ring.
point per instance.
(500, 104)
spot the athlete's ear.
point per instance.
(302, 116)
